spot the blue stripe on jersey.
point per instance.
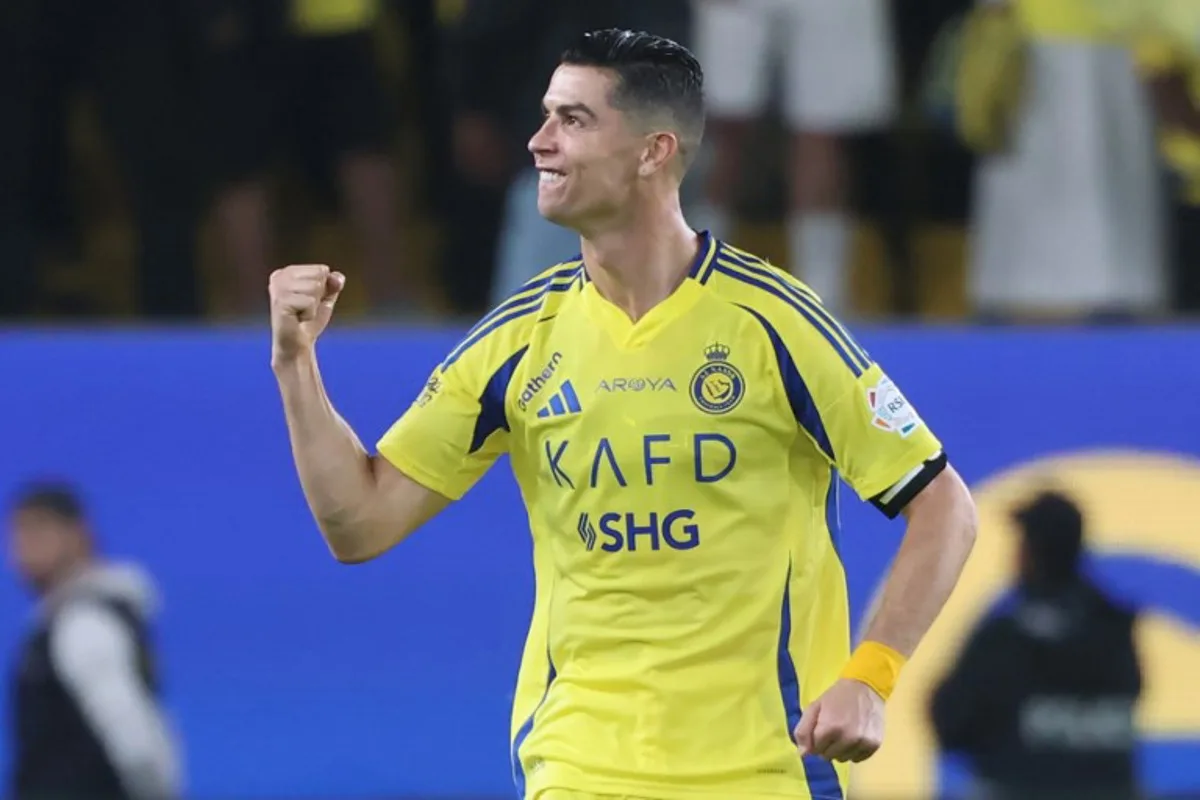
(702, 264)
(832, 516)
(524, 302)
(734, 271)
(800, 292)
(789, 682)
(492, 416)
(526, 728)
(808, 305)
(819, 774)
(709, 266)
(822, 779)
(804, 408)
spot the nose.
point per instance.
(542, 142)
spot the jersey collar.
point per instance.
(628, 334)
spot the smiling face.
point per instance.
(590, 156)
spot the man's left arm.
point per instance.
(939, 536)
(889, 456)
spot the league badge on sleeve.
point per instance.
(890, 409)
(718, 386)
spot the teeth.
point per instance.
(548, 176)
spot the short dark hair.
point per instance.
(1052, 527)
(655, 75)
(56, 497)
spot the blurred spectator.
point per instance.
(839, 78)
(122, 51)
(930, 201)
(509, 49)
(1042, 699)
(1070, 218)
(298, 77)
(87, 719)
(459, 202)
(1166, 42)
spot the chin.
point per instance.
(557, 215)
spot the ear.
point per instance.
(660, 149)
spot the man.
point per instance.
(838, 80)
(676, 412)
(1042, 700)
(1069, 217)
(1165, 38)
(88, 725)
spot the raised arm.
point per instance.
(362, 503)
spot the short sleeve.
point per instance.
(879, 440)
(851, 411)
(458, 425)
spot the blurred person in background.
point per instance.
(1069, 216)
(87, 720)
(299, 77)
(123, 54)
(1041, 701)
(1165, 36)
(507, 49)
(838, 79)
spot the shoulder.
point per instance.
(500, 337)
(86, 634)
(791, 312)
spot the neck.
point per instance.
(640, 263)
(61, 576)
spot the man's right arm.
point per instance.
(433, 453)
(363, 504)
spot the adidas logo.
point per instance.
(562, 402)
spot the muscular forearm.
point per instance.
(334, 467)
(941, 531)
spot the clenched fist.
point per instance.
(844, 724)
(302, 300)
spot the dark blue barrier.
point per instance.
(294, 676)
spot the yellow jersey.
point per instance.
(681, 479)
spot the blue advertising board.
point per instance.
(292, 675)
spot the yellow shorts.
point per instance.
(567, 794)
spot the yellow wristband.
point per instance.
(876, 665)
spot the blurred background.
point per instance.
(1002, 198)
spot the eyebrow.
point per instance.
(571, 108)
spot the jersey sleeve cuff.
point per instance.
(417, 472)
(895, 499)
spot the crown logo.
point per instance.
(716, 352)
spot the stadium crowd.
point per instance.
(158, 159)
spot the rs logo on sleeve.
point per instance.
(890, 410)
